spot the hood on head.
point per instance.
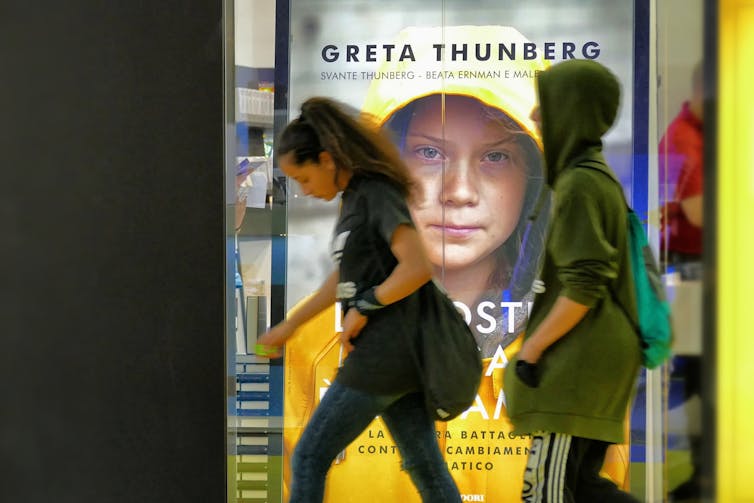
(506, 85)
(578, 102)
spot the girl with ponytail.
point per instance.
(380, 266)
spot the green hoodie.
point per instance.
(587, 377)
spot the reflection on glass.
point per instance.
(482, 276)
(681, 154)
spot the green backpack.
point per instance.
(654, 327)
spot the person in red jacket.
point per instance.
(681, 155)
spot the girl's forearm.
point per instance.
(403, 281)
(413, 269)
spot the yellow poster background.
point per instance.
(484, 459)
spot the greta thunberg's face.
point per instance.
(472, 178)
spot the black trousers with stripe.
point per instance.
(566, 469)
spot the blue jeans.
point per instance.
(341, 417)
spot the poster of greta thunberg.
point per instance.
(454, 84)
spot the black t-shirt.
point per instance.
(372, 209)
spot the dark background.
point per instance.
(112, 252)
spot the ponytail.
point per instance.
(354, 143)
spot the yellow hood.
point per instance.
(505, 84)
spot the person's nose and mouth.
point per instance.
(458, 191)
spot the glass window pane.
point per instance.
(453, 83)
(680, 106)
(255, 416)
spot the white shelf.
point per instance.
(254, 107)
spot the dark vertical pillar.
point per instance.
(709, 316)
(112, 254)
(641, 83)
